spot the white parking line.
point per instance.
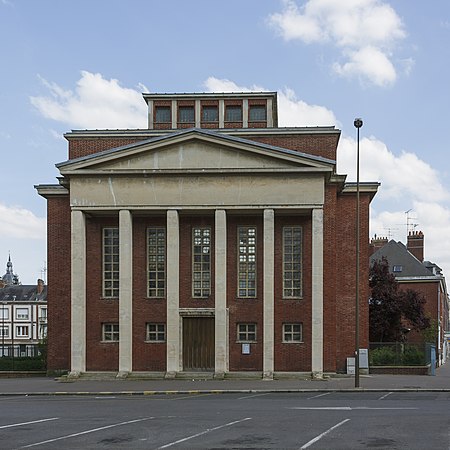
(27, 423)
(86, 432)
(204, 432)
(385, 395)
(254, 395)
(312, 441)
(345, 408)
(320, 395)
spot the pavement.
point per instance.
(33, 386)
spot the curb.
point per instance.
(213, 391)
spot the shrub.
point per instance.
(412, 356)
(382, 356)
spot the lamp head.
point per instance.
(358, 123)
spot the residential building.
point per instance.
(213, 240)
(23, 315)
(407, 264)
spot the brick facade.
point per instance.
(339, 214)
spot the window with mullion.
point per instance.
(292, 332)
(246, 332)
(201, 262)
(292, 262)
(111, 262)
(156, 332)
(110, 332)
(247, 262)
(156, 254)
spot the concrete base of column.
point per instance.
(317, 375)
(267, 376)
(122, 375)
(170, 375)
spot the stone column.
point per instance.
(78, 293)
(173, 293)
(317, 294)
(268, 294)
(245, 113)
(220, 294)
(125, 292)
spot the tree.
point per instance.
(392, 310)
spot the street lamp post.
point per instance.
(358, 123)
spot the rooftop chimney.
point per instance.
(376, 243)
(415, 244)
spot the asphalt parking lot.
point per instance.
(327, 420)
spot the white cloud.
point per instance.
(17, 222)
(368, 63)
(96, 103)
(291, 111)
(364, 31)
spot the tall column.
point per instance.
(173, 293)
(78, 293)
(317, 294)
(125, 292)
(221, 342)
(268, 294)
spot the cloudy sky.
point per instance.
(84, 64)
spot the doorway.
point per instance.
(198, 343)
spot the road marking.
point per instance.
(203, 432)
(87, 432)
(190, 396)
(312, 441)
(27, 423)
(104, 398)
(343, 408)
(320, 395)
(385, 395)
(254, 395)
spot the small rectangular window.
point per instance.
(163, 114)
(4, 314)
(110, 332)
(22, 331)
(397, 268)
(156, 253)
(111, 262)
(257, 113)
(233, 114)
(201, 262)
(246, 332)
(210, 114)
(22, 313)
(186, 114)
(156, 332)
(4, 331)
(292, 332)
(42, 331)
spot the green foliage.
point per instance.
(397, 355)
(430, 334)
(412, 356)
(391, 310)
(22, 364)
(382, 356)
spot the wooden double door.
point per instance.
(198, 344)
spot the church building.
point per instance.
(212, 241)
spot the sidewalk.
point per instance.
(51, 386)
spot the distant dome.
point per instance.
(10, 278)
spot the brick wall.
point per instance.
(58, 297)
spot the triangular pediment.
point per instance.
(195, 150)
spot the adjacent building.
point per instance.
(23, 315)
(213, 240)
(411, 271)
